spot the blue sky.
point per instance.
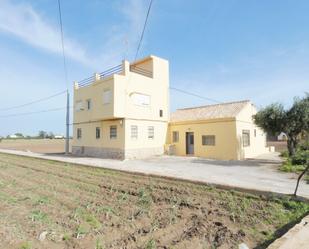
(222, 49)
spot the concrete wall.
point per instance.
(224, 131)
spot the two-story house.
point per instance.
(124, 111)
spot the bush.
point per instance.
(284, 154)
(300, 158)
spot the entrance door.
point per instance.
(190, 143)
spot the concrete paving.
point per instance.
(254, 174)
(297, 237)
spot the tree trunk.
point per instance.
(300, 176)
(291, 143)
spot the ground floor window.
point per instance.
(246, 138)
(79, 133)
(150, 132)
(113, 132)
(208, 140)
(175, 136)
(97, 132)
(134, 131)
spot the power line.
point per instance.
(32, 102)
(142, 35)
(30, 113)
(195, 95)
(62, 44)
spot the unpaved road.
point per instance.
(71, 206)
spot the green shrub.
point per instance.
(284, 154)
(300, 157)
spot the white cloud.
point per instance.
(23, 21)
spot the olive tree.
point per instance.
(275, 118)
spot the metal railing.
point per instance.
(142, 71)
(102, 75)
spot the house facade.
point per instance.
(222, 131)
(123, 112)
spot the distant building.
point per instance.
(59, 137)
(124, 113)
(282, 137)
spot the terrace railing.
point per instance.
(102, 75)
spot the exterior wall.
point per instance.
(225, 138)
(122, 107)
(142, 146)
(88, 145)
(244, 121)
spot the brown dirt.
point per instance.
(34, 145)
(82, 207)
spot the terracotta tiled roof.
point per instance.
(224, 110)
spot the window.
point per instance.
(97, 132)
(134, 131)
(150, 132)
(246, 138)
(175, 136)
(113, 132)
(208, 140)
(140, 99)
(254, 132)
(88, 102)
(161, 113)
(79, 106)
(107, 96)
(79, 133)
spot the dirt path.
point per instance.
(82, 207)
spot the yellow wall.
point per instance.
(224, 131)
(122, 106)
(89, 134)
(257, 136)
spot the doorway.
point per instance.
(189, 143)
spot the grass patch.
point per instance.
(38, 216)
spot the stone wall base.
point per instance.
(98, 152)
(116, 153)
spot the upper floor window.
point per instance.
(175, 136)
(150, 132)
(88, 103)
(134, 131)
(245, 138)
(113, 132)
(79, 105)
(97, 132)
(107, 96)
(208, 140)
(161, 113)
(140, 99)
(79, 133)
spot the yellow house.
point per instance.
(222, 131)
(123, 112)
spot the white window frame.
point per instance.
(245, 143)
(113, 132)
(208, 140)
(134, 131)
(88, 104)
(150, 132)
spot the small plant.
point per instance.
(65, 237)
(92, 221)
(98, 244)
(82, 229)
(25, 245)
(144, 199)
(38, 215)
(151, 244)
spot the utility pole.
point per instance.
(67, 139)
